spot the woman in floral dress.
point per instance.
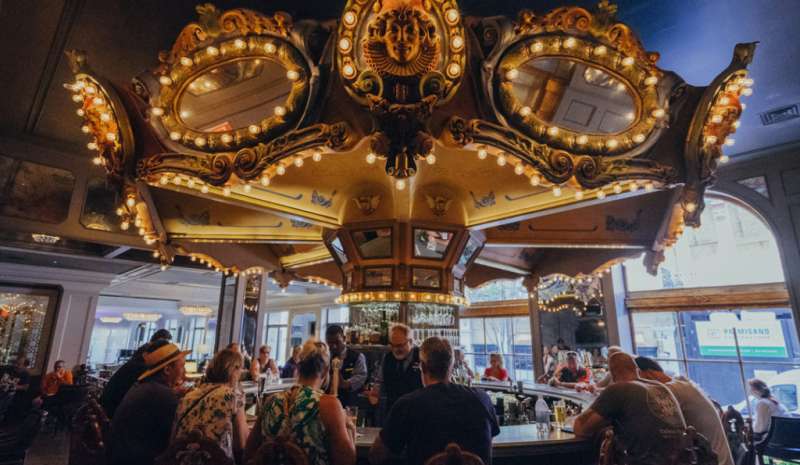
(215, 407)
(306, 416)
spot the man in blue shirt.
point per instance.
(422, 423)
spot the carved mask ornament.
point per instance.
(402, 42)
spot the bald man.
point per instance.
(647, 419)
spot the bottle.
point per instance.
(542, 412)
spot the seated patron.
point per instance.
(22, 374)
(422, 423)
(142, 423)
(571, 375)
(213, 407)
(646, 417)
(289, 370)
(697, 409)
(608, 379)
(766, 407)
(315, 422)
(53, 381)
(461, 368)
(399, 373)
(495, 371)
(264, 363)
(126, 376)
(353, 372)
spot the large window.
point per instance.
(498, 290)
(508, 336)
(276, 334)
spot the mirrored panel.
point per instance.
(99, 207)
(233, 95)
(34, 192)
(431, 244)
(426, 277)
(337, 247)
(374, 243)
(469, 251)
(378, 277)
(573, 95)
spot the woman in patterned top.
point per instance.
(214, 407)
(306, 416)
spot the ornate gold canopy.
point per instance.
(254, 142)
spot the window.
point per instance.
(508, 336)
(335, 316)
(713, 254)
(498, 290)
(276, 334)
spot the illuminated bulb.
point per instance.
(111, 137)
(744, 106)
(601, 194)
(138, 222)
(105, 117)
(552, 131)
(659, 113)
(748, 82)
(724, 159)
(579, 195)
(213, 51)
(600, 50)
(453, 69)
(628, 61)
(569, 43)
(501, 160)
(581, 140)
(519, 169)
(247, 188)
(344, 44)
(174, 135)
(512, 74)
(130, 202)
(239, 43)
(97, 160)
(77, 98)
(612, 143)
(729, 141)
(91, 146)
(270, 48)
(482, 153)
(120, 211)
(163, 267)
(98, 101)
(349, 18)
(176, 180)
(156, 111)
(525, 111)
(165, 80)
(556, 191)
(649, 186)
(186, 61)
(279, 111)
(691, 207)
(617, 189)
(204, 189)
(634, 186)
(80, 112)
(226, 191)
(85, 129)
(90, 90)
(651, 81)
(317, 156)
(190, 183)
(292, 75)
(716, 119)
(371, 157)
(265, 181)
(430, 159)
(724, 101)
(537, 47)
(163, 180)
(736, 124)
(451, 16)
(400, 184)
(200, 141)
(535, 180)
(254, 129)
(747, 91)
(281, 170)
(711, 139)
(298, 162)
(638, 138)
(733, 88)
(348, 70)
(124, 225)
(457, 42)
(226, 138)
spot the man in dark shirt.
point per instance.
(126, 375)
(142, 424)
(424, 422)
(353, 372)
(646, 417)
(570, 375)
(399, 373)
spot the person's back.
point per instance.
(303, 423)
(426, 420)
(209, 408)
(646, 418)
(699, 411)
(121, 382)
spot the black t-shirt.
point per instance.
(423, 422)
(23, 376)
(121, 382)
(646, 417)
(568, 376)
(143, 423)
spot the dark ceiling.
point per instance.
(695, 39)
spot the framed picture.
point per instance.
(428, 278)
(378, 277)
(431, 244)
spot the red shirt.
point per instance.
(500, 374)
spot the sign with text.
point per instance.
(756, 338)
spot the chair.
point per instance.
(193, 449)
(453, 455)
(14, 444)
(279, 451)
(89, 435)
(783, 441)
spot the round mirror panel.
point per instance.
(574, 95)
(234, 95)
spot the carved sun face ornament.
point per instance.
(401, 59)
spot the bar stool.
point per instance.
(453, 455)
(196, 449)
(783, 441)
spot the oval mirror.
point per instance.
(234, 95)
(574, 95)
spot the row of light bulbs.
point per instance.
(94, 104)
(735, 88)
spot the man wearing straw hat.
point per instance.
(143, 422)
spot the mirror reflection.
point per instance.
(426, 277)
(431, 244)
(234, 95)
(573, 95)
(374, 243)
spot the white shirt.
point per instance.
(698, 411)
(765, 410)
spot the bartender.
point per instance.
(353, 373)
(399, 373)
(571, 375)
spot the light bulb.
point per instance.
(130, 202)
(163, 180)
(638, 138)
(535, 180)
(724, 159)
(200, 141)
(501, 160)
(736, 124)
(77, 98)
(617, 189)
(247, 188)
(371, 157)
(213, 51)
(649, 186)
(174, 135)
(569, 43)
(453, 70)
(98, 101)
(190, 183)
(111, 137)
(186, 61)
(519, 169)
(579, 195)
(537, 47)
(600, 50)
(651, 81)
(156, 111)
(97, 160)
(582, 139)
(400, 184)
(612, 143)
(91, 146)
(165, 80)
(711, 139)
(628, 61)
(552, 131)
(105, 117)
(265, 181)
(239, 43)
(80, 112)
(176, 180)
(349, 71)
(512, 74)
(431, 159)
(747, 91)
(601, 194)
(298, 162)
(457, 42)
(226, 191)
(525, 111)
(226, 138)
(204, 189)
(124, 225)
(292, 75)
(349, 18)
(317, 156)
(729, 141)
(634, 186)
(345, 44)
(659, 113)
(281, 170)
(270, 48)
(724, 101)
(451, 16)
(280, 111)
(483, 153)
(556, 191)
(254, 129)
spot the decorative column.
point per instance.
(618, 321)
(531, 283)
